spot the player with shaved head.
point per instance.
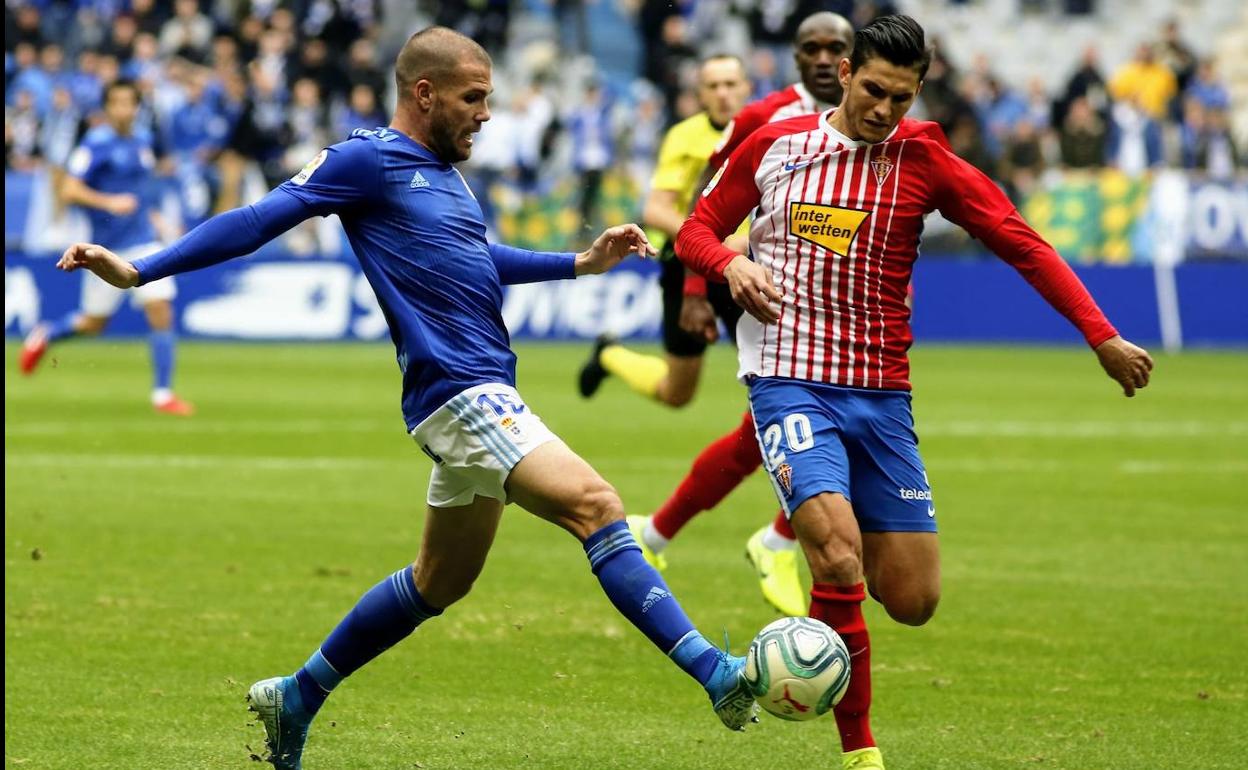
(420, 238)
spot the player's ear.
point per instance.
(423, 91)
(843, 73)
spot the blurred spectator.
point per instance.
(1134, 143)
(1001, 109)
(589, 125)
(1206, 143)
(1176, 55)
(260, 132)
(1146, 82)
(673, 56)
(1022, 161)
(315, 63)
(764, 74)
(1085, 83)
(1039, 106)
(120, 42)
(29, 79)
(1208, 89)
(21, 135)
(1082, 136)
(147, 17)
(966, 138)
(25, 27)
(362, 68)
(536, 126)
(362, 111)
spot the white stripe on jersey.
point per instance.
(832, 321)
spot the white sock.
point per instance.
(161, 396)
(774, 541)
(652, 537)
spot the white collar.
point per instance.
(837, 136)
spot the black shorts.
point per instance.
(677, 341)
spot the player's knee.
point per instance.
(676, 398)
(836, 563)
(91, 324)
(914, 607)
(598, 505)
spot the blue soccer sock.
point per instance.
(639, 593)
(62, 328)
(161, 344)
(383, 617)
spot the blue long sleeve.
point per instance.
(225, 236)
(524, 266)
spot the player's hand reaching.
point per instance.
(121, 204)
(1128, 364)
(697, 317)
(612, 247)
(99, 260)
(752, 288)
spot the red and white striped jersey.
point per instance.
(838, 227)
(779, 105)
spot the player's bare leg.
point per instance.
(903, 570)
(456, 541)
(44, 334)
(557, 485)
(671, 380)
(828, 531)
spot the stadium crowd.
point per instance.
(233, 85)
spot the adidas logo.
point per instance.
(655, 596)
(418, 180)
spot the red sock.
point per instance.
(782, 525)
(718, 470)
(841, 608)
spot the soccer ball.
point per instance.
(797, 668)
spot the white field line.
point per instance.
(77, 460)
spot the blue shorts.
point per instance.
(818, 438)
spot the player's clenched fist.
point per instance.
(752, 289)
(108, 266)
(1128, 364)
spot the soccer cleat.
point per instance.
(636, 525)
(869, 758)
(175, 405)
(593, 372)
(777, 575)
(33, 348)
(730, 695)
(280, 707)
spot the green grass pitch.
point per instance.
(1095, 608)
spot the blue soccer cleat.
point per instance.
(730, 695)
(280, 707)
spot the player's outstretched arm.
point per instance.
(610, 248)
(1127, 364)
(111, 268)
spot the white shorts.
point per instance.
(475, 439)
(102, 299)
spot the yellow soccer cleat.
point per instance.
(777, 575)
(636, 524)
(869, 758)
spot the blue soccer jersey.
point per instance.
(110, 163)
(419, 235)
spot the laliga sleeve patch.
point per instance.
(304, 175)
(714, 180)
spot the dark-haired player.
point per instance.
(111, 176)
(821, 41)
(841, 198)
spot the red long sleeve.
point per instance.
(1022, 247)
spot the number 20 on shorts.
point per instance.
(796, 435)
